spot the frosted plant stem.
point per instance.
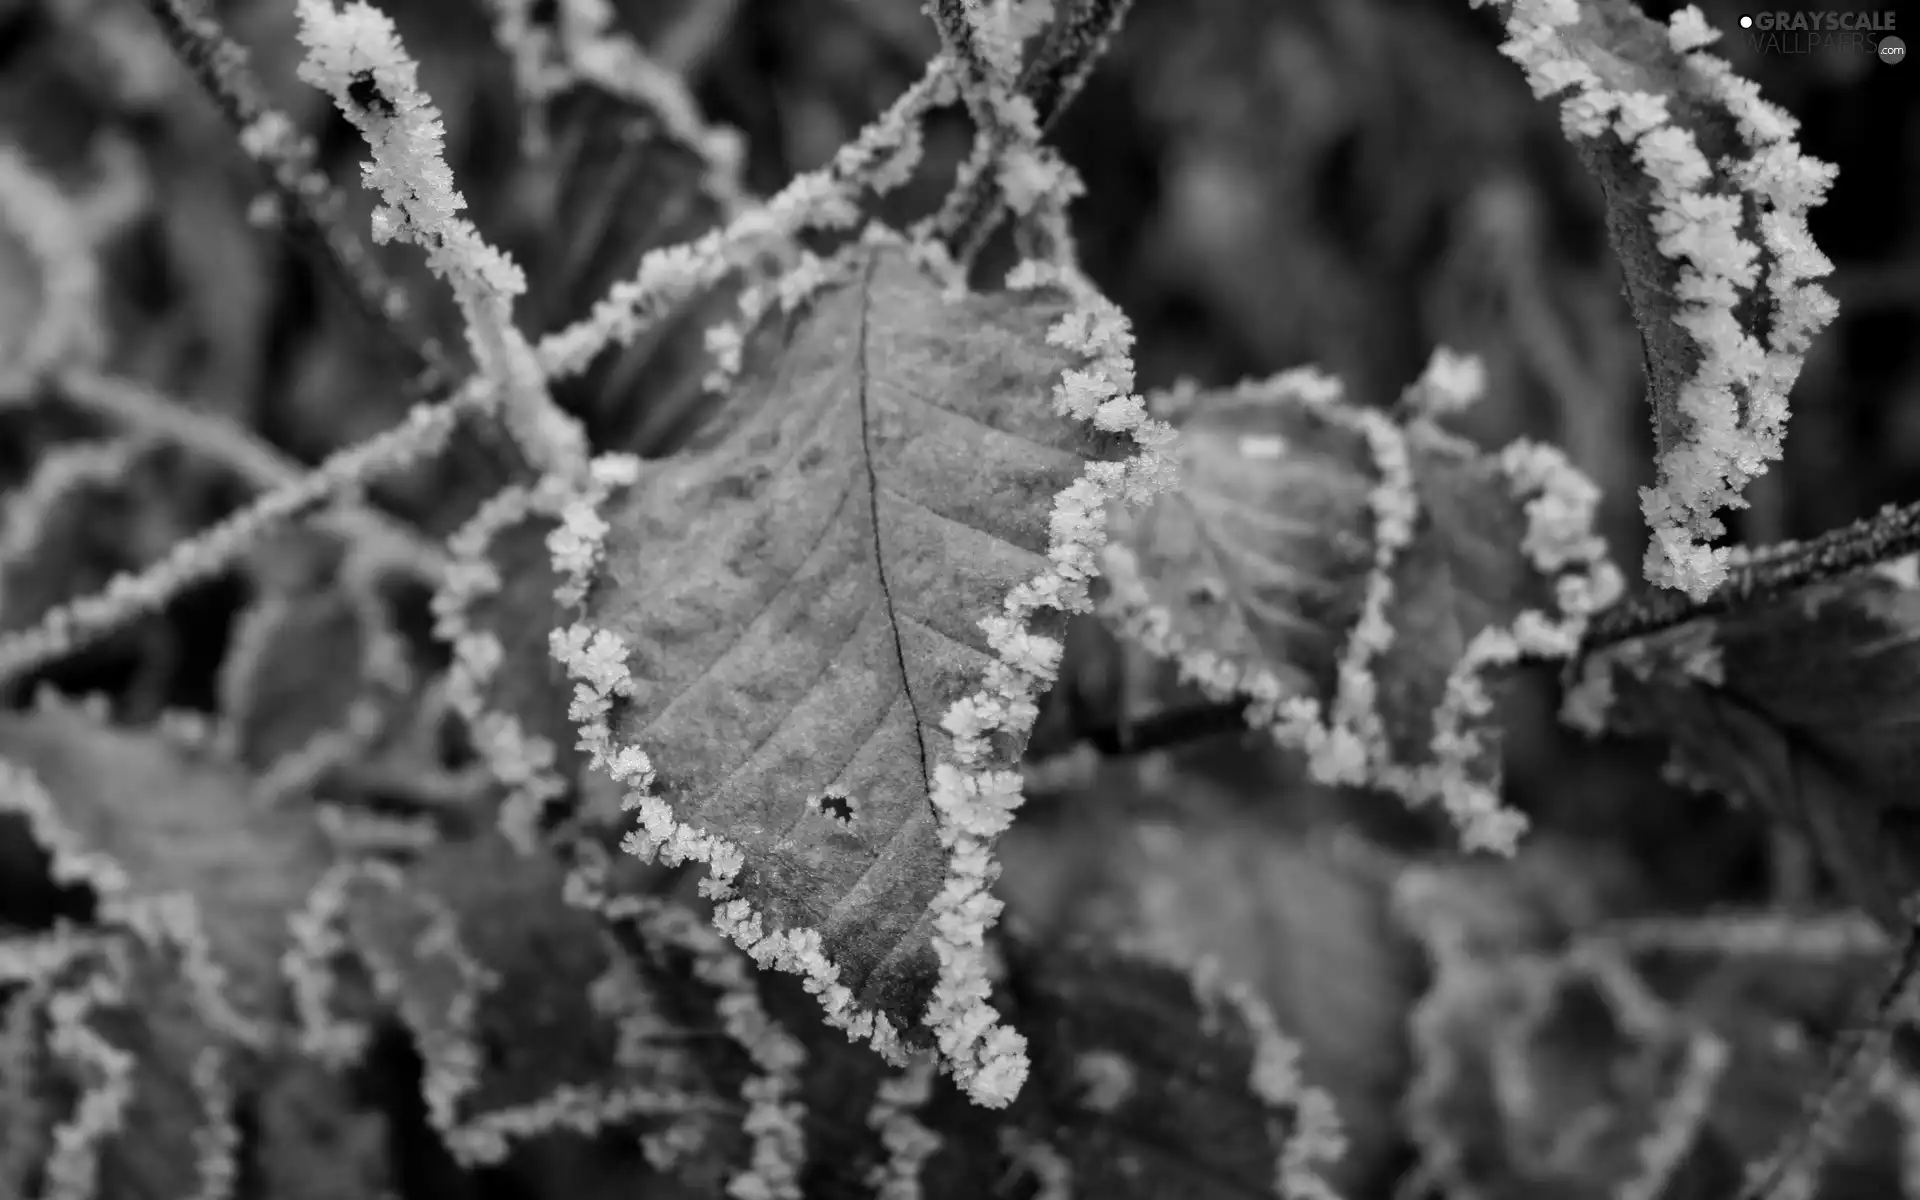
(1892, 533)
(316, 206)
(260, 464)
(1072, 45)
(1852, 1085)
(127, 597)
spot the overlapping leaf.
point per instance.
(511, 607)
(1188, 872)
(304, 670)
(1257, 566)
(177, 1135)
(1143, 1088)
(1648, 1057)
(27, 1119)
(131, 1090)
(93, 510)
(1805, 703)
(498, 979)
(177, 819)
(622, 185)
(803, 603)
(1192, 1120)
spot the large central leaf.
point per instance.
(803, 603)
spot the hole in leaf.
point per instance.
(833, 804)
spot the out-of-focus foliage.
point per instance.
(1346, 183)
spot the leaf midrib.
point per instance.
(873, 501)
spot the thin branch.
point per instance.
(1770, 571)
(260, 464)
(1794, 1173)
(1068, 52)
(315, 207)
(214, 550)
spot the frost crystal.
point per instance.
(1720, 428)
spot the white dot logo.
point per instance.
(1746, 22)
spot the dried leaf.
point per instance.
(803, 603)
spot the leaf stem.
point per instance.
(1072, 45)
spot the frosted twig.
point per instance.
(1072, 45)
(268, 136)
(821, 199)
(127, 597)
(355, 56)
(260, 464)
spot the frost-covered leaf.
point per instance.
(176, 1134)
(1540, 1072)
(129, 1088)
(27, 1114)
(1707, 197)
(803, 605)
(1186, 871)
(1804, 703)
(1259, 577)
(1561, 1055)
(622, 185)
(501, 983)
(1781, 991)
(164, 816)
(92, 510)
(1143, 1088)
(304, 672)
(1261, 555)
(1166, 1083)
(496, 610)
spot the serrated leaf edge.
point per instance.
(1344, 741)
(526, 763)
(987, 1058)
(61, 471)
(383, 671)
